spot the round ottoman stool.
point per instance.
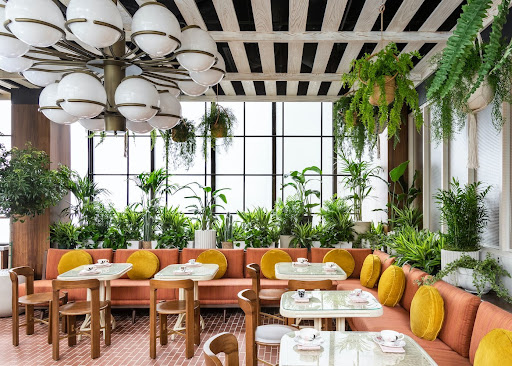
(6, 292)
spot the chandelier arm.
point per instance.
(131, 52)
(56, 53)
(167, 70)
(172, 84)
(82, 51)
(158, 61)
(142, 54)
(60, 62)
(160, 77)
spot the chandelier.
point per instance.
(102, 80)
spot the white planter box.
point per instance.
(448, 256)
(465, 280)
(132, 244)
(205, 239)
(6, 293)
(343, 245)
(316, 244)
(284, 241)
(190, 244)
(239, 244)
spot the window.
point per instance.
(5, 139)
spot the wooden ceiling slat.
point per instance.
(262, 13)
(229, 22)
(228, 88)
(298, 16)
(190, 12)
(333, 15)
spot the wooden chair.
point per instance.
(268, 294)
(29, 301)
(255, 334)
(223, 342)
(294, 285)
(71, 310)
(189, 307)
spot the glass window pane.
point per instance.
(193, 111)
(5, 231)
(327, 155)
(301, 152)
(302, 119)
(139, 151)
(258, 118)
(116, 185)
(258, 192)
(327, 119)
(232, 160)
(5, 112)
(178, 199)
(238, 110)
(258, 154)
(279, 118)
(109, 155)
(235, 194)
(6, 141)
(79, 149)
(176, 166)
(279, 155)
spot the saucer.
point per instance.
(89, 273)
(182, 273)
(295, 296)
(196, 264)
(297, 264)
(108, 264)
(315, 342)
(358, 299)
(329, 269)
(381, 342)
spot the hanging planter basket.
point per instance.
(482, 97)
(179, 135)
(389, 90)
(219, 130)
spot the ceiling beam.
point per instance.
(298, 16)
(262, 13)
(262, 98)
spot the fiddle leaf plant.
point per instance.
(372, 75)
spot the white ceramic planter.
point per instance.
(239, 244)
(465, 280)
(284, 241)
(6, 293)
(448, 256)
(190, 244)
(316, 244)
(343, 245)
(205, 239)
(132, 244)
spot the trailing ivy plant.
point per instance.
(368, 72)
(27, 184)
(216, 127)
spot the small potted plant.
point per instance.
(225, 231)
(65, 235)
(260, 228)
(303, 235)
(204, 209)
(382, 80)
(130, 224)
(216, 127)
(287, 215)
(465, 217)
(303, 193)
(338, 230)
(173, 227)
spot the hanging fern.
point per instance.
(216, 127)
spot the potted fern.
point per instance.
(216, 127)
(382, 80)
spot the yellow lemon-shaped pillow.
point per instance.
(342, 258)
(370, 271)
(145, 265)
(214, 256)
(427, 313)
(495, 349)
(73, 259)
(269, 261)
(391, 286)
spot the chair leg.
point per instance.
(29, 313)
(134, 314)
(95, 334)
(71, 323)
(15, 323)
(54, 311)
(152, 332)
(163, 329)
(50, 323)
(64, 324)
(197, 327)
(108, 325)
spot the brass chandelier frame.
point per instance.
(111, 67)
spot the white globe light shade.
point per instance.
(93, 124)
(95, 35)
(135, 90)
(17, 64)
(10, 46)
(139, 127)
(170, 112)
(41, 78)
(190, 87)
(34, 33)
(194, 39)
(87, 91)
(213, 75)
(155, 17)
(49, 107)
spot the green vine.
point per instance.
(216, 127)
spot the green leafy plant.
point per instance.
(85, 191)
(357, 178)
(130, 222)
(351, 138)
(260, 228)
(489, 271)
(300, 183)
(204, 208)
(174, 228)
(216, 127)
(408, 216)
(66, 235)
(179, 144)
(376, 236)
(464, 213)
(375, 71)
(338, 224)
(303, 235)
(96, 220)
(288, 214)
(420, 249)
(114, 238)
(27, 184)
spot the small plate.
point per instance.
(297, 264)
(102, 264)
(295, 296)
(89, 273)
(182, 273)
(329, 269)
(196, 264)
(358, 299)
(315, 342)
(397, 344)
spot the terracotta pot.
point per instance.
(145, 244)
(389, 88)
(227, 245)
(219, 130)
(178, 136)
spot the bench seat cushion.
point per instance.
(353, 283)
(448, 358)
(136, 292)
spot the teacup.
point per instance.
(103, 261)
(330, 264)
(357, 292)
(308, 334)
(90, 267)
(183, 268)
(191, 261)
(390, 336)
(302, 260)
(301, 293)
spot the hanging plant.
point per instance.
(216, 126)
(382, 80)
(351, 138)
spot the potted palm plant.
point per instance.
(338, 226)
(216, 127)
(65, 235)
(304, 194)
(173, 227)
(465, 217)
(287, 215)
(130, 223)
(204, 209)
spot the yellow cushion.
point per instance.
(495, 349)
(145, 265)
(269, 260)
(214, 256)
(427, 313)
(342, 258)
(391, 286)
(73, 259)
(370, 271)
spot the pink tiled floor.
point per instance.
(130, 343)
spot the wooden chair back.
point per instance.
(253, 270)
(221, 343)
(294, 285)
(247, 300)
(29, 280)
(29, 309)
